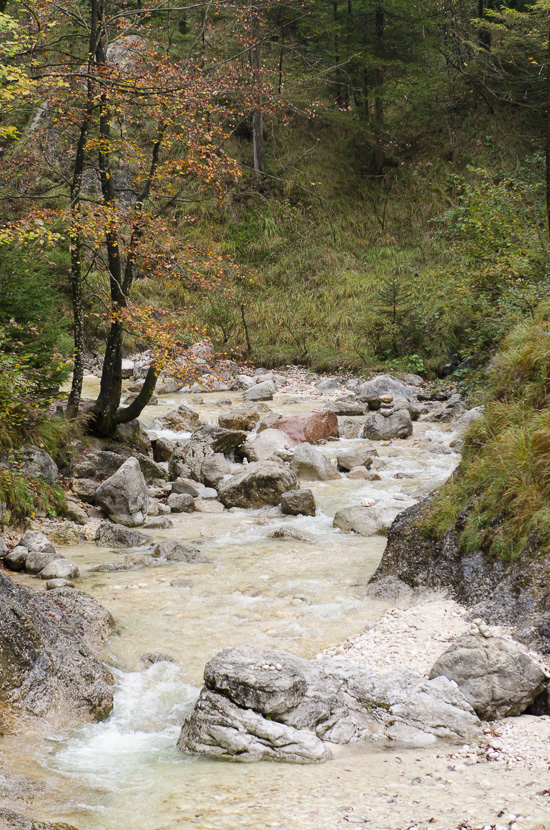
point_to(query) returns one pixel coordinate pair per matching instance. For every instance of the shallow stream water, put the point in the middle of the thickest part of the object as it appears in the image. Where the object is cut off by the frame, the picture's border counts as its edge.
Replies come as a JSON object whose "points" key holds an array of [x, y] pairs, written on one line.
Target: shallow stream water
{"points": [[126, 771]]}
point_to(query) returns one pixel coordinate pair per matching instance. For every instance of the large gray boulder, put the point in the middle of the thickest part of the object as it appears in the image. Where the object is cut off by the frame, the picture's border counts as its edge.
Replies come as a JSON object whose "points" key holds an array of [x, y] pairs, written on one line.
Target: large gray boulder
{"points": [[298, 503], [356, 457], [260, 392], [498, 678], [368, 521], [124, 495], [15, 560], [36, 542], [242, 382], [188, 457], [36, 561], [182, 419], [385, 385], [109, 535], [219, 728], [181, 503], [214, 468], [40, 464], [380, 427], [244, 417], [261, 705], [50, 657], [310, 464], [264, 444], [261, 483], [60, 569], [176, 552]]}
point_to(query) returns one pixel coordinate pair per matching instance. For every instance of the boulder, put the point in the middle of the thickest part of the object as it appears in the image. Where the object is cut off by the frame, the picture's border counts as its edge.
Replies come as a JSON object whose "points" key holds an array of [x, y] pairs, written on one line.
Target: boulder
{"points": [[181, 503], [380, 428], [163, 449], [127, 369], [99, 464], [403, 403], [264, 444], [298, 503], [124, 496], [261, 705], [50, 649], [35, 561], [167, 386], [159, 523], [40, 464], [15, 560], [176, 552], [134, 436], [193, 488], [350, 429], [220, 729], [84, 488], [385, 385], [368, 521], [188, 457], [311, 465], [346, 408], [357, 457], [60, 569], [328, 385], [291, 534], [208, 506], [182, 419], [52, 584], [243, 382], [260, 392], [261, 483], [214, 468], [3, 549], [495, 675], [267, 421], [313, 427], [243, 417], [109, 535], [150, 469], [36, 542], [75, 512]]}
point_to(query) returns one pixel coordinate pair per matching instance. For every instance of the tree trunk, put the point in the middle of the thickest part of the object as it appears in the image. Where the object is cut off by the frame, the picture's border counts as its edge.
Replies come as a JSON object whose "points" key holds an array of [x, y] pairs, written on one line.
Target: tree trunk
{"points": [[548, 134], [107, 412], [75, 241], [378, 95], [257, 119]]}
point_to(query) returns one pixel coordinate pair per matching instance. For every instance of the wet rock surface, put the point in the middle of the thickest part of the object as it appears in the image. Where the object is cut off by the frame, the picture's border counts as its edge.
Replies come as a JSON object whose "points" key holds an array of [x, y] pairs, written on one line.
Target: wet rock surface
{"points": [[49, 664]]}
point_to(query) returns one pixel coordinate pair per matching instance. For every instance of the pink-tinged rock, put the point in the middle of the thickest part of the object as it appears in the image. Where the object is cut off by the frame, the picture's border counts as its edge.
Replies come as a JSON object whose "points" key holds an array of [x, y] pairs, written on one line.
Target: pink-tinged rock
{"points": [[312, 426]]}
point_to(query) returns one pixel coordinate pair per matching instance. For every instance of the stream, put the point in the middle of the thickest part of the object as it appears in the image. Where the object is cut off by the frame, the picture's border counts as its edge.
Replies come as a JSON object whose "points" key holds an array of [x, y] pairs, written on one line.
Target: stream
{"points": [[126, 772]]}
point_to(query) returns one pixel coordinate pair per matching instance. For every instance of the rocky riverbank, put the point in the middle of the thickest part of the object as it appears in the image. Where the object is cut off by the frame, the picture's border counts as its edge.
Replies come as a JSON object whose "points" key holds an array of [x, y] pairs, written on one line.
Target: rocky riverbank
{"points": [[286, 571], [514, 594]]}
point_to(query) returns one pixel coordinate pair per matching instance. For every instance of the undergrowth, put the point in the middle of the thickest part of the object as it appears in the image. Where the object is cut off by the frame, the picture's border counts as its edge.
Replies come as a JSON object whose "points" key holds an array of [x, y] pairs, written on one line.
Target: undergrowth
{"points": [[503, 481], [28, 496]]}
